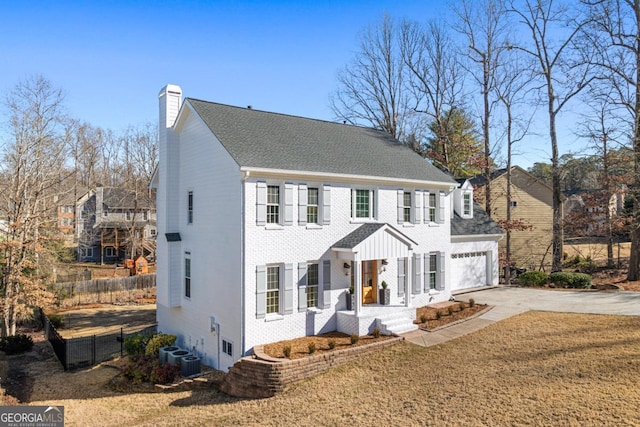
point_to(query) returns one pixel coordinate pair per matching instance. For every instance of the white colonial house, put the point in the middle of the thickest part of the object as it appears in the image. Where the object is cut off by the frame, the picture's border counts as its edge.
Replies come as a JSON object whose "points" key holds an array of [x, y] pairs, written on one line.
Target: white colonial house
{"points": [[265, 222]]}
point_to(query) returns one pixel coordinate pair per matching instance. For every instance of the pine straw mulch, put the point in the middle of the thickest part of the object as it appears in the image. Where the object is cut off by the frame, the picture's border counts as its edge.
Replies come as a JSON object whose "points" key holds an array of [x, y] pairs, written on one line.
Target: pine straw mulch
{"points": [[300, 346], [461, 311]]}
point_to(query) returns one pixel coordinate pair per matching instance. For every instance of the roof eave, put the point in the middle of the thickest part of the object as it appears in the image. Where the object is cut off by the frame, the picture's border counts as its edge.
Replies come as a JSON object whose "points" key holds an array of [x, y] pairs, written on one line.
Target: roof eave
{"points": [[267, 172]]}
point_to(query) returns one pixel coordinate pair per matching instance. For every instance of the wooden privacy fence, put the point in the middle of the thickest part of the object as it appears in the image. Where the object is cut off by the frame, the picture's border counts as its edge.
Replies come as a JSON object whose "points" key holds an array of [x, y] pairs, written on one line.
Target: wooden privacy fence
{"points": [[82, 352], [112, 290]]}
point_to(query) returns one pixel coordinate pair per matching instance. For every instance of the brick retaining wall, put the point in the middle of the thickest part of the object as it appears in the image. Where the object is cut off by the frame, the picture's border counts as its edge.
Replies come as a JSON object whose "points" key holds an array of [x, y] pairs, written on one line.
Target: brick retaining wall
{"points": [[262, 376]]}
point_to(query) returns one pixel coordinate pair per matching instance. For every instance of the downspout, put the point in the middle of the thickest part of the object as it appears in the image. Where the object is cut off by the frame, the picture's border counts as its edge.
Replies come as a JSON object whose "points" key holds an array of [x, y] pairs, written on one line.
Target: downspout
{"points": [[242, 261]]}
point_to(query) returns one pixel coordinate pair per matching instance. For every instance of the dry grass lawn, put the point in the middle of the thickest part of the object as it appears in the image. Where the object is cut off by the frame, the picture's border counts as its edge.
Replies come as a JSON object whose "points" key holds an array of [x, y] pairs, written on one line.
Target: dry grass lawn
{"points": [[533, 369]]}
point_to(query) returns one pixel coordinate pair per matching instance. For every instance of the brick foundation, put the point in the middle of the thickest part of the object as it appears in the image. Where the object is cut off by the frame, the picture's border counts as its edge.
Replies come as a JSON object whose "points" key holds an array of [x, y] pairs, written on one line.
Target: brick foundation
{"points": [[262, 376]]}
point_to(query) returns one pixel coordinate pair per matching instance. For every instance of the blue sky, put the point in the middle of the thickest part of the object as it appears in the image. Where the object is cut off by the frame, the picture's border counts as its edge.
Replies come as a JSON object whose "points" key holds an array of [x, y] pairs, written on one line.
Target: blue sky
{"points": [[112, 57]]}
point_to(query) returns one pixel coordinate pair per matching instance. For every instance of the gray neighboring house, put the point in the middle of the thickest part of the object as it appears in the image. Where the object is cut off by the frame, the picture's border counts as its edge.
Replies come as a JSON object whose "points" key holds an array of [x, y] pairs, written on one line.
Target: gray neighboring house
{"points": [[111, 223]]}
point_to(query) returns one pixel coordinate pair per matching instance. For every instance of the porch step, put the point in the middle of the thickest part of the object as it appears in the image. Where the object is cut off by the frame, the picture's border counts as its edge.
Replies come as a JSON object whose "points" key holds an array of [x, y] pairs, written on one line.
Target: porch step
{"points": [[396, 323]]}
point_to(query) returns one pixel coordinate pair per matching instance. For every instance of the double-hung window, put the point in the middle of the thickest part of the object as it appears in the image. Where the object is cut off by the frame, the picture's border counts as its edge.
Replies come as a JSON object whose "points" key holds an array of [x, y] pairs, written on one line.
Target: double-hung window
{"points": [[432, 207], [273, 204], [466, 200], [190, 207], [312, 285], [433, 270], [187, 275], [273, 289], [406, 210], [362, 203], [312, 205]]}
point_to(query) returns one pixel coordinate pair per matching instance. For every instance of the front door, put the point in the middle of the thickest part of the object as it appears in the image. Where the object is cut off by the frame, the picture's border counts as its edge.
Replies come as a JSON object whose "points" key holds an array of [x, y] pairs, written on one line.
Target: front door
{"points": [[369, 281]]}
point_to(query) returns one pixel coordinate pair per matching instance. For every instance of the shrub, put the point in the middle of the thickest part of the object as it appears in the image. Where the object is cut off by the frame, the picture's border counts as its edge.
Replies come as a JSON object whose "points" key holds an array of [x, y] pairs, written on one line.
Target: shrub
{"points": [[312, 347], [332, 344], [472, 302], [423, 318], [139, 367], [461, 306], [16, 344], [376, 332], [164, 374], [157, 341], [354, 339], [438, 315], [570, 280], [56, 320], [533, 278], [286, 350], [450, 310], [136, 343]]}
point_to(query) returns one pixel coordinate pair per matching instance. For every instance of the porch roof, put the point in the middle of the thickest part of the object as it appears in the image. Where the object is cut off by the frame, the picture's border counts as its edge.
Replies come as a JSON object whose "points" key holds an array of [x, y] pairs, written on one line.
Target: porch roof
{"points": [[373, 241]]}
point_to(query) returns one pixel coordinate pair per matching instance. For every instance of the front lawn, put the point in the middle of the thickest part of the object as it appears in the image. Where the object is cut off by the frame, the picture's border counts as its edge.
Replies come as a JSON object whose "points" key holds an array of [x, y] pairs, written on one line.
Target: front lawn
{"points": [[537, 368]]}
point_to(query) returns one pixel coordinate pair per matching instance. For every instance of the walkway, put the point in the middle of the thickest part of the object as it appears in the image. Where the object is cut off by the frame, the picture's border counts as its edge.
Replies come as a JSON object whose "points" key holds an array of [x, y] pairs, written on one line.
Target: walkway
{"points": [[508, 301]]}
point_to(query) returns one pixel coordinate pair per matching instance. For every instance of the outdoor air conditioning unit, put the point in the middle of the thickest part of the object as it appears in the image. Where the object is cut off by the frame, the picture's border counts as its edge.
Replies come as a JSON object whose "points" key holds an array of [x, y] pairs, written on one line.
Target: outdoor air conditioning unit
{"points": [[190, 365], [164, 353], [175, 356]]}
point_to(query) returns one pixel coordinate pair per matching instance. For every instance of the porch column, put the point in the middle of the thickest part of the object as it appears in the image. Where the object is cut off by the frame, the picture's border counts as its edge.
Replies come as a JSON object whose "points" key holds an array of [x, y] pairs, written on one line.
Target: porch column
{"points": [[408, 281], [357, 286]]}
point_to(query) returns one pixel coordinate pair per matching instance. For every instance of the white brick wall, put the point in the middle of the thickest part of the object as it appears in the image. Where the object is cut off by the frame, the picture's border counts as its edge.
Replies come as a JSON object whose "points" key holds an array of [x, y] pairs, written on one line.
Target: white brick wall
{"points": [[226, 245]]}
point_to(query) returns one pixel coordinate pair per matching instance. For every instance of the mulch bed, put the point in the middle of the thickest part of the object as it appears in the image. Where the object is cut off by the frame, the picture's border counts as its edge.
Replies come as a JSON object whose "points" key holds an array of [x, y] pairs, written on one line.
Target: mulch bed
{"points": [[300, 346], [438, 315]]}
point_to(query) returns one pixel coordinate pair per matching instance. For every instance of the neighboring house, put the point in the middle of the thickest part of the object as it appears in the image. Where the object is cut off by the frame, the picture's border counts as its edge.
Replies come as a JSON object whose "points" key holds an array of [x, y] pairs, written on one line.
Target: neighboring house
{"points": [[266, 220], [531, 205], [585, 211], [113, 223]]}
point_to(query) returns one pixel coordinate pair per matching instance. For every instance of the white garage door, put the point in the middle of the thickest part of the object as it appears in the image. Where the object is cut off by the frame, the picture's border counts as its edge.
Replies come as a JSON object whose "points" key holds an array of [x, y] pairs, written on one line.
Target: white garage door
{"points": [[468, 270]]}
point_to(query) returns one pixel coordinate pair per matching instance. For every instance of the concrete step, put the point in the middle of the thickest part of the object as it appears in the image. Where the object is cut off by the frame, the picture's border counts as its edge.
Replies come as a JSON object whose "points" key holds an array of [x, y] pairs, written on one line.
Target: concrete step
{"points": [[396, 323]]}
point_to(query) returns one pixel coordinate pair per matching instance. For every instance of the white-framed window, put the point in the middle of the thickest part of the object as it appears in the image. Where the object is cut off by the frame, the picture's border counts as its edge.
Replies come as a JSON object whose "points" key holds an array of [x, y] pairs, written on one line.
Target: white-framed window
{"points": [[433, 271], [66, 209], [227, 347], [363, 203], [273, 289], [273, 204], [431, 209], [187, 274], [466, 204], [109, 252], [153, 231], [66, 222], [145, 216], [312, 205], [127, 215], [406, 210], [190, 207], [312, 285], [513, 203], [86, 252]]}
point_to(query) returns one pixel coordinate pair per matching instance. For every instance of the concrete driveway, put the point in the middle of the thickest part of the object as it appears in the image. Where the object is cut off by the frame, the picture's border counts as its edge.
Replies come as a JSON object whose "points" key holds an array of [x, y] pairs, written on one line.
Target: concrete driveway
{"points": [[508, 301]]}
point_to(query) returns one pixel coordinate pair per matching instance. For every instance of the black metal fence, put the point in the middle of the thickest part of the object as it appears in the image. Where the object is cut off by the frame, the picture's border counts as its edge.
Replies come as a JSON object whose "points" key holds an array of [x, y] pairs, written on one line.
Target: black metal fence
{"points": [[82, 352]]}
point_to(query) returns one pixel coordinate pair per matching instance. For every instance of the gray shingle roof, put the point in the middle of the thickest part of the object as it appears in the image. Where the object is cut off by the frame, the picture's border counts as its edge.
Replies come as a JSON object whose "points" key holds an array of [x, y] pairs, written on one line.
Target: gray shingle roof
{"points": [[277, 141], [480, 224], [357, 236]]}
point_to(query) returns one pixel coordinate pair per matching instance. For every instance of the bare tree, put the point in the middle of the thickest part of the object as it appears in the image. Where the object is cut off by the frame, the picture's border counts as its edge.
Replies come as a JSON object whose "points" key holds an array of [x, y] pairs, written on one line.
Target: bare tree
{"points": [[601, 129], [511, 89], [32, 158], [563, 69], [371, 86], [436, 77], [617, 22], [484, 25]]}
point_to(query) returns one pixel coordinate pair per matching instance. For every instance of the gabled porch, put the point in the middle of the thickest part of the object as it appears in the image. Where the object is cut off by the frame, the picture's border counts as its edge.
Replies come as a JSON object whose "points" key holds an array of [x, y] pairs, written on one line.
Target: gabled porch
{"points": [[365, 253]]}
